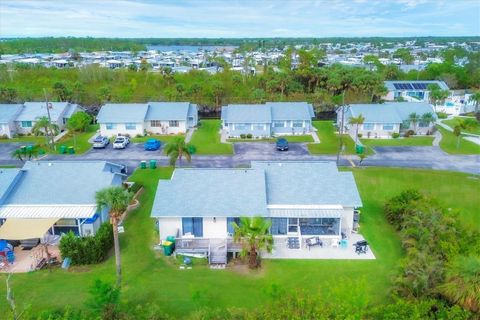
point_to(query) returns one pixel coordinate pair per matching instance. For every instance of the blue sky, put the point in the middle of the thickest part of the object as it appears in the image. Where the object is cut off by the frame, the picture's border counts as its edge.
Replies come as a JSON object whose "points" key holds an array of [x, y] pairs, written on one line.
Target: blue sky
{"points": [[205, 18]]}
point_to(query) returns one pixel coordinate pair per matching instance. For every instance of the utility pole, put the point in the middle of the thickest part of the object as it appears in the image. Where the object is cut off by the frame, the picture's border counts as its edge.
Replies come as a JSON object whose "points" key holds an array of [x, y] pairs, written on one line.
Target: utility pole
{"points": [[340, 147], [52, 139]]}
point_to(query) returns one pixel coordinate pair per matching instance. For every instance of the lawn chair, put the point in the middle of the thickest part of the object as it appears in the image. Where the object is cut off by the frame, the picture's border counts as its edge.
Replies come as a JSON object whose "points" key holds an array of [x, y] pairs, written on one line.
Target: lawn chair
{"points": [[312, 242]]}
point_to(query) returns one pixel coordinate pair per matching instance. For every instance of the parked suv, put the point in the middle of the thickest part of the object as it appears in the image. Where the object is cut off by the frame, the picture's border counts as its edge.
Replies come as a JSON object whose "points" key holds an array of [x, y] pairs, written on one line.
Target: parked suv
{"points": [[282, 144], [100, 142], [121, 142]]}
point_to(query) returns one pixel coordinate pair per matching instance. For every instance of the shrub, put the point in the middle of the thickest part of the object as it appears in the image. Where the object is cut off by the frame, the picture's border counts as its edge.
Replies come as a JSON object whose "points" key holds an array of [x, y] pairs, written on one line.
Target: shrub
{"points": [[359, 135], [442, 115], [87, 250], [395, 135], [135, 187], [243, 136], [249, 136], [3, 137], [400, 207], [408, 133]]}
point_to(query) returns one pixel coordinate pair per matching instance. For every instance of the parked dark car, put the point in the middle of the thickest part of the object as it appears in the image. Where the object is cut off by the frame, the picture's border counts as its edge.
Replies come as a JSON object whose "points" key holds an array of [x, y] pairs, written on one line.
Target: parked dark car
{"points": [[282, 144], [152, 145], [100, 142]]}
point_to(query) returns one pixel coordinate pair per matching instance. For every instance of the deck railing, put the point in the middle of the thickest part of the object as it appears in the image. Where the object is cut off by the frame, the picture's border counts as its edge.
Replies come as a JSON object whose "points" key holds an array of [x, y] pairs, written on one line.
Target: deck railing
{"points": [[204, 243]]}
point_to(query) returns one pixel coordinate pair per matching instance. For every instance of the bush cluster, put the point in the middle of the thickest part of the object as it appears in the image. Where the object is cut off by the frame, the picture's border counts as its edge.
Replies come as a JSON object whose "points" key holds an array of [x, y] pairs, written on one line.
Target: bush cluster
{"points": [[395, 135], [87, 250]]}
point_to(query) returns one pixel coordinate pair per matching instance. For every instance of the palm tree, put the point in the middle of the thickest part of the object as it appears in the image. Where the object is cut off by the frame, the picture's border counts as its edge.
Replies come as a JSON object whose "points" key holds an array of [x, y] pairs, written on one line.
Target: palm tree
{"points": [[116, 199], [357, 121], [25, 153], [177, 149], [475, 98], [428, 118], [254, 235], [457, 131], [414, 118], [462, 285], [44, 126]]}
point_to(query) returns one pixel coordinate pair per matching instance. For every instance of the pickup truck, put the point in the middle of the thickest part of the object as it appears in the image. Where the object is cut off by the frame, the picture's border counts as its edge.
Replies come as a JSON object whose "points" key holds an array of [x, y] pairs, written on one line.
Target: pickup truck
{"points": [[121, 142]]}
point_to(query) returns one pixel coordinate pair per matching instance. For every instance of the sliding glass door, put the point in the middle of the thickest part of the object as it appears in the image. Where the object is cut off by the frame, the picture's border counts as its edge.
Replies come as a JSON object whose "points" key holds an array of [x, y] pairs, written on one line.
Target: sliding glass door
{"points": [[192, 226]]}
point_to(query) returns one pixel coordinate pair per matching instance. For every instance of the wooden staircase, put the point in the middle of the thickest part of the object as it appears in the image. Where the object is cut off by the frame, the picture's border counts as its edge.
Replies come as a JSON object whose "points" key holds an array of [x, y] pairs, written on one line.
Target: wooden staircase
{"points": [[217, 253]]}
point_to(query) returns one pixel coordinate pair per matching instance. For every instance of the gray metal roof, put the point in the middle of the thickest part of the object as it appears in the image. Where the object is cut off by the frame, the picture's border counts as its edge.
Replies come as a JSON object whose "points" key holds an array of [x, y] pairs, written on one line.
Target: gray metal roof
{"points": [[7, 178], [389, 112], [391, 87], [308, 183], [34, 110], [62, 182], [8, 112], [122, 113], [211, 193], [168, 111], [247, 113], [291, 110]]}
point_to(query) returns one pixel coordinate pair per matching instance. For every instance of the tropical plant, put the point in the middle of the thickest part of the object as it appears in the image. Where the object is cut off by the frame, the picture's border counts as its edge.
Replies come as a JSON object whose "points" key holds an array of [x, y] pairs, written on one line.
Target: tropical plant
{"points": [[476, 99], [428, 118], [462, 285], [25, 153], [414, 118], [177, 149], [357, 121], [43, 126], [78, 122], [254, 235], [457, 131], [116, 199], [104, 299], [437, 95]]}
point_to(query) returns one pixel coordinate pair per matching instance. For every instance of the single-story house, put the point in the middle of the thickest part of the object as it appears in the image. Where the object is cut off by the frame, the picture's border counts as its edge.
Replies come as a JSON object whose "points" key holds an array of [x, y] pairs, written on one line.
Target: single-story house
{"points": [[54, 197], [152, 117], [302, 200], [20, 118], [383, 120], [266, 120], [411, 91]]}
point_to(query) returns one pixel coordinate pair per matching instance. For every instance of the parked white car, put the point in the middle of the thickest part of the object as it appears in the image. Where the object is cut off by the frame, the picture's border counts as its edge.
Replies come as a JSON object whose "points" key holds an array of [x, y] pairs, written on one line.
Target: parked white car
{"points": [[121, 142]]}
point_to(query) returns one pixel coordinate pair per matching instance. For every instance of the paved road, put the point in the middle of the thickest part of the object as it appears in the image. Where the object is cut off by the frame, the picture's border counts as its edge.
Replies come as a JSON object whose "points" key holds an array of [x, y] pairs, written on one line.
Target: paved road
{"points": [[411, 157]]}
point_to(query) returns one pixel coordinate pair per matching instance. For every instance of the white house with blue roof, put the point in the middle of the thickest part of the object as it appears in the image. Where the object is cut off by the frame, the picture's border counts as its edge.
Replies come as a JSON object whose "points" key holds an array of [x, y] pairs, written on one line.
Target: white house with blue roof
{"points": [[152, 117], [20, 118], [383, 120], [302, 199], [411, 91], [54, 197], [266, 120]]}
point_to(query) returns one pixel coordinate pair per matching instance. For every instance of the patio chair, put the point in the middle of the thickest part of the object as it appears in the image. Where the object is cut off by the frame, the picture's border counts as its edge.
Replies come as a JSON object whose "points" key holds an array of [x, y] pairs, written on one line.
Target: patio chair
{"points": [[361, 247], [312, 242]]}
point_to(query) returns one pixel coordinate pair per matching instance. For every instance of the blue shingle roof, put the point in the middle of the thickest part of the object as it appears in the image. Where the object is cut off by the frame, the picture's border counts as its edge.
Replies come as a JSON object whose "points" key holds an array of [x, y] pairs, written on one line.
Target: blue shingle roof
{"points": [[291, 110], [389, 112], [247, 113], [122, 113], [62, 182], [35, 110], [168, 111], [8, 112]]}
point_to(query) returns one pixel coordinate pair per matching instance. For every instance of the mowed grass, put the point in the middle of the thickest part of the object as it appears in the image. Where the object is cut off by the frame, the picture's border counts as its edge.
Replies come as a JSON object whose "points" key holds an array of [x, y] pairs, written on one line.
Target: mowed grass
{"points": [[298, 138], [206, 139], [81, 140], [456, 120], [449, 144], [40, 140], [151, 278], [163, 138], [329, 140], [423, 141]]}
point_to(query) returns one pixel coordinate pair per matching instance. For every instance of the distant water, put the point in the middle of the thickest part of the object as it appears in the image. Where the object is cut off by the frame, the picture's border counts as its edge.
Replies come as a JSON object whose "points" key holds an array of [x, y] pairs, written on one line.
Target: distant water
{"points": [[188, 48]]}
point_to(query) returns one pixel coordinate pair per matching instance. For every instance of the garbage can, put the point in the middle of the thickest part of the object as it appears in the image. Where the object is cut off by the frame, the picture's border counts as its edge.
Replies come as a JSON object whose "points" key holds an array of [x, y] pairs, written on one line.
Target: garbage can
{"points": [[359, 149], [172, 240], [29, 148], [143, 164], [63, 149], [153, 164], [71, 150], [167, 248]]}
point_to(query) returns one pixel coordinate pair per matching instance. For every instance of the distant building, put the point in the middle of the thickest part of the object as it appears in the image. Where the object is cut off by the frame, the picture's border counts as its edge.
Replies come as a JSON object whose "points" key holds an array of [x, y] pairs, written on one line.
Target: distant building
{"points": [[411, 91]]}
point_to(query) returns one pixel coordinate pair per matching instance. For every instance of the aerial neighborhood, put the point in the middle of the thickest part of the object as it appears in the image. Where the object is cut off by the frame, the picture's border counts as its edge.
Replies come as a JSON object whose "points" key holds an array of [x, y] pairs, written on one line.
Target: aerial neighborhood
{"points": [[239, 160]]}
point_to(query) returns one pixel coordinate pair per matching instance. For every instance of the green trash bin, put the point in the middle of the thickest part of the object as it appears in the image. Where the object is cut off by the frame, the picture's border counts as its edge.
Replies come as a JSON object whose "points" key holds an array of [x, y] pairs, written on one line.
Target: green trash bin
{"points": [[29, 148], [172, 240], [153, 164], [63, 149], [71, 150], [359, 149], [143, 164], [167, 248]]}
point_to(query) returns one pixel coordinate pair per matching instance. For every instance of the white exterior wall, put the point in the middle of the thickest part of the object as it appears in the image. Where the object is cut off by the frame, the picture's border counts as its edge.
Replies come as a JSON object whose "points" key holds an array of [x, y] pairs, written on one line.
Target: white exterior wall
{"points": [[166, 129], [169, 227], [215, 229], [347, 219], [376, 132], [20, 129], [120, 129], [7, 129]]}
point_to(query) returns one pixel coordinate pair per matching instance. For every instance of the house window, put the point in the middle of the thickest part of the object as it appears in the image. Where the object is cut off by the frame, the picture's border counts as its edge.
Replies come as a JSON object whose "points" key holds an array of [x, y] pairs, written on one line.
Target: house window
{"points": [[279, 124], [63, 226], [230, 221], [173, 123], [240, 126], [192, 226], [155, 123], [368, 126], [279, 226], [298, 124], [293, 225], [130, 126], [320, 226], [111, 126], [388, 126], [258, 126], [26, 124]]}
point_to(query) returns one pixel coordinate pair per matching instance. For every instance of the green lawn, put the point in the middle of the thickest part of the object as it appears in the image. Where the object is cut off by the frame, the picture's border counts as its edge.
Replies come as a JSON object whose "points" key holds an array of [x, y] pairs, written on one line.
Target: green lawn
{"points": [[207, 139], [453, 122], [148, 277], [26, 139], [82, 144], [163, 138], [300, 138], [329, 140], [449, 144], [410, 142]]}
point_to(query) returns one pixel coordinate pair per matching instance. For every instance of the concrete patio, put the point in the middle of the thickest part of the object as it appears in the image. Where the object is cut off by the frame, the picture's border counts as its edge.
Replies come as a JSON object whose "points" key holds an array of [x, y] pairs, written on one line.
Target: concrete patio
{"points": [[281, 251], [27, 260]]}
